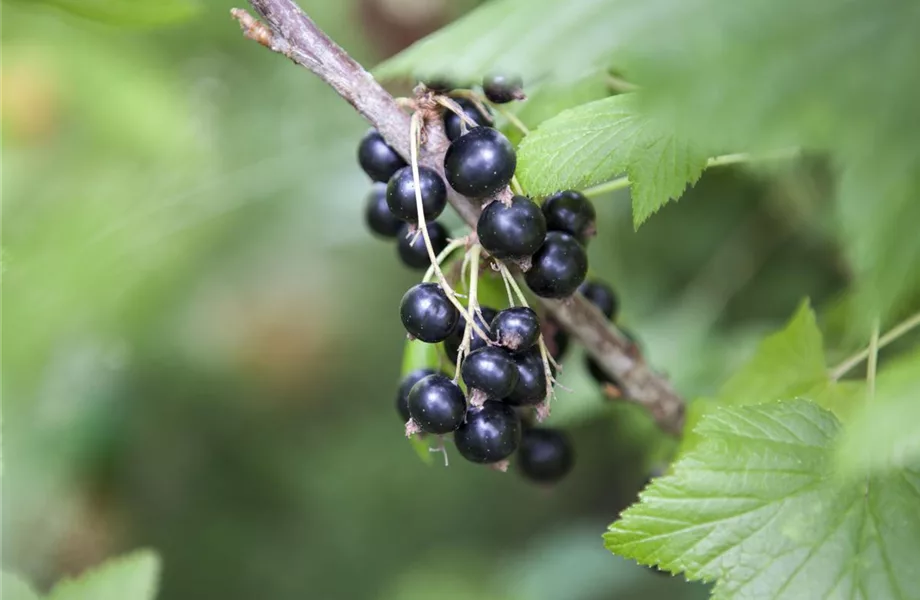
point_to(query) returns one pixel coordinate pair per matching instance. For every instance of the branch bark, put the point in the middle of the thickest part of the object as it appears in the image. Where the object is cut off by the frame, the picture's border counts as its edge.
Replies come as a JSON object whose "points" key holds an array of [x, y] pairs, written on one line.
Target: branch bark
{"points": [[288, 31]]}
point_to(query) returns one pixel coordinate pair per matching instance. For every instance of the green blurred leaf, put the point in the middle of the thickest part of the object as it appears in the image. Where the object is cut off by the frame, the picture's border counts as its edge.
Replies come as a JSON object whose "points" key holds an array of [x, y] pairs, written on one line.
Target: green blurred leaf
{"points": [[550, 99], [534, 38], [14, 588], [130, 12], [885, 434], [597, 141], [753, 508], [134, 576]]}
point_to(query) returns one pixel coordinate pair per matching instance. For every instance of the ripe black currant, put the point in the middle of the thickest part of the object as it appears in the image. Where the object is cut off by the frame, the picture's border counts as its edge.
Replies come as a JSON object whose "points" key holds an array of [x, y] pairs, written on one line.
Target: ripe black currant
{"points": [[571, 212], [501, 88], [452, 121], [598, 374], [515, 231], [480, 163], [491, 433], [437, 404], [427, 314], [531, 382], [545, 455], [377, 158], [453, 341], [555, 337], [414, 254], [558, 267], [439, 85], [401, 194], [600, 295], [491, 371], [516, 329], [378, 216], [405, 386]]}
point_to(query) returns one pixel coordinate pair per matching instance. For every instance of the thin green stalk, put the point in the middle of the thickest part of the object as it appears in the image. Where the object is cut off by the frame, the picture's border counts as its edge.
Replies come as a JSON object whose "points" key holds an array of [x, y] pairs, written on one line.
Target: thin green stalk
{"points": [[897, 331]]}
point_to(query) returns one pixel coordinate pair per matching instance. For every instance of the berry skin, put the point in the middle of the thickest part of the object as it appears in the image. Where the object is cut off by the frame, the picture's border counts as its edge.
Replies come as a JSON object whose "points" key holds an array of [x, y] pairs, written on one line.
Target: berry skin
{"points": [[427, 314], [415, 255], [436, 404], [516, 329], [452, 343], [401, 194], [515, 231], [545, 455], [405, 386], [377, 158], [600, 295], [380, 220], [558, 268], [599, 375], [571, 213], [452, 121], [480, 163], [500, 88], [491, 433], [439, 85], [555, 337], [531, 383], [490, 370]]}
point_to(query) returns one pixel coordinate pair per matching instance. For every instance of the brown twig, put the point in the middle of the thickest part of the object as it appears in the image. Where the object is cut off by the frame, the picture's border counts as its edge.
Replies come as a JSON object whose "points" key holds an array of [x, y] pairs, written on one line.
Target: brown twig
{"points": [[288, 31]]}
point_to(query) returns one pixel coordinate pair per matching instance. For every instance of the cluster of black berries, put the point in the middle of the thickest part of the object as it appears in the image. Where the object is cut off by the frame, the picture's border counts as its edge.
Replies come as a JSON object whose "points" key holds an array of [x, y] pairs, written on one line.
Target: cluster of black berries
{"points": [[505, 372]]}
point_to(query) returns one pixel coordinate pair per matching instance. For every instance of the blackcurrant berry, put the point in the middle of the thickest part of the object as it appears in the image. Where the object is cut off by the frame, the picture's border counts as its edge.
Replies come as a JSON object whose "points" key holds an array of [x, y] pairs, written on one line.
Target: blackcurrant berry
{"points": [[480, 163], [545, 455], [405, 386], [598, 374], [572, 213], [377, 214], [377, 158], [427, 314], [515, 231], [452, 343], [558, 267], [491, 433], [414, 254], [516, 329], [439, 85], [491, 371], [555, 337], [531, 382], [503, 88], [454, 124], [437, 404], [401, 194], [600, 295]]}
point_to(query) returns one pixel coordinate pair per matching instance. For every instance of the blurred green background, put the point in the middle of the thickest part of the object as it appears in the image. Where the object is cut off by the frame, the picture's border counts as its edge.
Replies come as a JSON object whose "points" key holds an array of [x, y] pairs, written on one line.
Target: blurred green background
{"points": [[201, 345]]}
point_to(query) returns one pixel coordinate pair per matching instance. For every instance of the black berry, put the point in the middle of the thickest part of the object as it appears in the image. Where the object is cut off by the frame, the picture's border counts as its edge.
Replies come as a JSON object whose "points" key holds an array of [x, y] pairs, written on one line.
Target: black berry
{"points": [[454, 124], [437, 404], [531, 382], [427, 314], [558, 267], [516, 329], [600, 295], [515, 231], [378, 216], [377, 158], [414, 254], [572, 213], [491, 371], [439, 85], [401, 194], [491, 433], [452, 343], [503, 88], [555, 337], [545, 455], [405, 386], [598, 374], [480, 163]]}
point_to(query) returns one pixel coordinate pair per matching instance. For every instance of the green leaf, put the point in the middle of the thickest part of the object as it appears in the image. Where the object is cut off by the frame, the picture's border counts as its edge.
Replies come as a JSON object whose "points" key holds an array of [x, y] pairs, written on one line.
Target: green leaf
{"points": [[133, 576], [534, 38], [547, 101], [597, 141], [14, 588], [755, 509], [885, 434], [128, 12]]}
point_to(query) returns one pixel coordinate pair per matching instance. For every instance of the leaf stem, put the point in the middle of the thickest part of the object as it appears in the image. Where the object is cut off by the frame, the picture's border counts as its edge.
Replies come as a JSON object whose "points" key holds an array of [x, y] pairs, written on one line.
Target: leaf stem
{"points": [[897, 331], [453, 245]]}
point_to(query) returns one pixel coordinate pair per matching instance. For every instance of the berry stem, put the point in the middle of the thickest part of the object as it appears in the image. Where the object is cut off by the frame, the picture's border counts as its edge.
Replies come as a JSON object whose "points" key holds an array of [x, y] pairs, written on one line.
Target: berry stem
{"points": [[453, 245], [872, 364], [472, 306], [414, 135], [516, 186], [894, 333], [511, 118], [455, 108]]}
